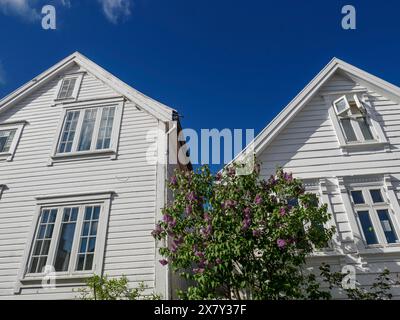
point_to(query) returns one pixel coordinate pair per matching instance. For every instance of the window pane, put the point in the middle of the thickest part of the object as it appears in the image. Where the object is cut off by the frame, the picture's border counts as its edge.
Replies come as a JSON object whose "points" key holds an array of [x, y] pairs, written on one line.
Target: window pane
{"points": [[341, 105], [67, 88], [365, 129], [376, 195], [387, 226], [357, 197], [348, 130], [85, 139], [366, 225], [43, 240], [106, 124], [6, 138], [68, 133], [88, 238], [64, 249]]}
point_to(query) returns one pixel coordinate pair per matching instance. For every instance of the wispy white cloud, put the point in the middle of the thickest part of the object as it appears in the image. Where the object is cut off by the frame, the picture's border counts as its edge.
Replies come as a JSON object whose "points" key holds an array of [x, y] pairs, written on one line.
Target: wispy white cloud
{"points": [[66, 3], [116, 10], [2, 74], [22, 8]]}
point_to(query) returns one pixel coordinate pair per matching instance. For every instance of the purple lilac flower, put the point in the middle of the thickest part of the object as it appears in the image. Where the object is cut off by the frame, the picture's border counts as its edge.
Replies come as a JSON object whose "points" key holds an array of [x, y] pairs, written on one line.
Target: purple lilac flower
{"points": [[172, 223], [189, 209], [178, 240], [199, 254], [167, 218], [258, 199], [288, 177], [157, 231], [174, 247], [198, 270], [173, 180], [163, 262], [228, 204], [246, 212], [256, 232], [281, 243], [282, 211], [206, 231], [207, 217], [246, 224], [191, 196]]}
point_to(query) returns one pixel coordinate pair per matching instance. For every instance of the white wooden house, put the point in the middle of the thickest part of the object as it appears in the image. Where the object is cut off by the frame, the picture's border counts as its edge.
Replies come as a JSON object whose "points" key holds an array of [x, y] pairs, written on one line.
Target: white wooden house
{"points": [[341, 136], [82, 182]]}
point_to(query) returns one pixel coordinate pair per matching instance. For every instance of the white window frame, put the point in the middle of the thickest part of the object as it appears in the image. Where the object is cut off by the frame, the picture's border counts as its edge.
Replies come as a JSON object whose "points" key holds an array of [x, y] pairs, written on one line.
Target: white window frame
{"points": [[70, 277], [79, 77], [18, 126], [366, 183], [110, 152], [363, 101]]}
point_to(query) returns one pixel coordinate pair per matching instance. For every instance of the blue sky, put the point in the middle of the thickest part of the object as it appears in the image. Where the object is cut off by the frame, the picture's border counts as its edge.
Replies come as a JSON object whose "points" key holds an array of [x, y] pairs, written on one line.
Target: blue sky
{"points": [[221, 64]]}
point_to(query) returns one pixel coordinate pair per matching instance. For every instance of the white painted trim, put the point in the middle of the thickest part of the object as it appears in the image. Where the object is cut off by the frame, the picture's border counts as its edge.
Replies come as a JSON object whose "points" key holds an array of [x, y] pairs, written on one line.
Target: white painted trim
{"points": [[162, 278], [356, 236], [324, 193], [19, 126], [102, 198]]}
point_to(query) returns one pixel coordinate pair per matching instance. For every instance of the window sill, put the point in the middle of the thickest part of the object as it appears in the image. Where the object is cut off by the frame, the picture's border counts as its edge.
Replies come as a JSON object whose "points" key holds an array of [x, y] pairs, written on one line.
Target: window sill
{"points": [[379, 249], [62, 279], [356, 145], [95, 154], [64, 100], [5, 156]]}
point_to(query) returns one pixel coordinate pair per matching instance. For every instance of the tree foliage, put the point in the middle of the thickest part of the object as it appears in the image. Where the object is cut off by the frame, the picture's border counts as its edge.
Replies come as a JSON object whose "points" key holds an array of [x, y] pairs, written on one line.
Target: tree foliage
{"points": [[103, 288], [240, 236]]}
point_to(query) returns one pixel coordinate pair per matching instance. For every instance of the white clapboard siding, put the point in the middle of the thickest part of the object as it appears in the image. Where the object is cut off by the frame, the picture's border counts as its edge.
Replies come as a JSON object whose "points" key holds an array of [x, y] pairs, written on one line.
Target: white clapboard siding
{"points": [[130, 249], [308, 147]]}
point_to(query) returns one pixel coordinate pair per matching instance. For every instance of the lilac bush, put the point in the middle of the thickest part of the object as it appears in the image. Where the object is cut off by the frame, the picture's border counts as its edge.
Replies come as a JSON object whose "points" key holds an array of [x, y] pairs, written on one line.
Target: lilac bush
{"points": [[233, 235]]}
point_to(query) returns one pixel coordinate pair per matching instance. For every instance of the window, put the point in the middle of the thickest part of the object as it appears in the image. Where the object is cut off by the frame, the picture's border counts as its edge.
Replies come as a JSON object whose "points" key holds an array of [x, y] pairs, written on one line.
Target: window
{"points": [[69, 236], [374, 216], [9, 136], [57, 238], [354, 120], [6, 137], [69, 86], [87, 129]]}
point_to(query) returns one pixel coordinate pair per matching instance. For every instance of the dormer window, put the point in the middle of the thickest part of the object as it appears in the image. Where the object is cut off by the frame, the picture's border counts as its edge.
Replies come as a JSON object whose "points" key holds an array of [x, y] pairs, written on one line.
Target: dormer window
{"points": [[69, 86], [354, 120]]}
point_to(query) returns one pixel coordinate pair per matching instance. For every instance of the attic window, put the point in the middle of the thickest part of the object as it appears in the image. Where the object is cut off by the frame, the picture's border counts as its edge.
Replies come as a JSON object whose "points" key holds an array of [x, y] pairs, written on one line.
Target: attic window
{"points": [[354, 120], [68, 87]]}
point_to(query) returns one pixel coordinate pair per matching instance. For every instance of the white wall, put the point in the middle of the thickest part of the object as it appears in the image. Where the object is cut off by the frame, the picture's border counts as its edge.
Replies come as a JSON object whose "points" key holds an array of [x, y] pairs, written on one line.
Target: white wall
{"points": [[130, 249]]}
